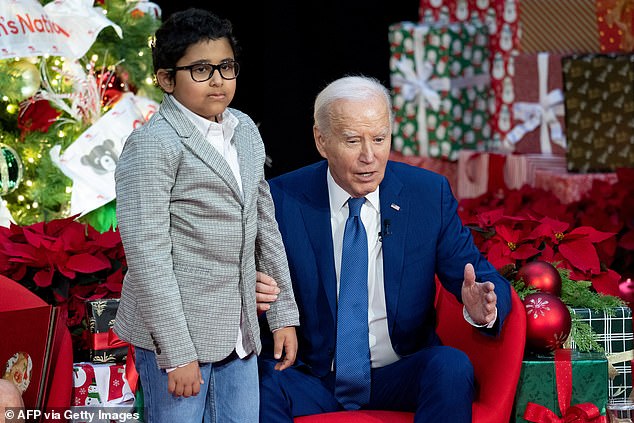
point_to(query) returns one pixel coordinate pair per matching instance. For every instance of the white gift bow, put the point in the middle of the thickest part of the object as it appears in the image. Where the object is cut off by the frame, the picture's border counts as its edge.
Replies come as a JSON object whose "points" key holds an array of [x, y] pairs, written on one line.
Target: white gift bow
{"points": [[543, 113]]}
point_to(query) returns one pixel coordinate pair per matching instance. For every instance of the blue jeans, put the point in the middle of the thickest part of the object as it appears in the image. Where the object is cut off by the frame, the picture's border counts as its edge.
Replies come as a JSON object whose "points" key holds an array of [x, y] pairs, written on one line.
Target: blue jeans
{"points": [[230, 393]]}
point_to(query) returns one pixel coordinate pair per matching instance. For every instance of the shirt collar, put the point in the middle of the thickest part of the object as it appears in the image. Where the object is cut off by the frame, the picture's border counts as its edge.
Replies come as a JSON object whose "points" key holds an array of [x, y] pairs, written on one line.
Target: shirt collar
{"points": [[228, 124], [338, 196]]}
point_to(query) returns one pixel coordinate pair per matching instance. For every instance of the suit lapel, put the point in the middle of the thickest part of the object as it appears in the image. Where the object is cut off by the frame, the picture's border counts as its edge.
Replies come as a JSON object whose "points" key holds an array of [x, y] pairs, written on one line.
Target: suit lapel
{"points": [[247, 167], [395, 212], [316, 215], [198, 145]]}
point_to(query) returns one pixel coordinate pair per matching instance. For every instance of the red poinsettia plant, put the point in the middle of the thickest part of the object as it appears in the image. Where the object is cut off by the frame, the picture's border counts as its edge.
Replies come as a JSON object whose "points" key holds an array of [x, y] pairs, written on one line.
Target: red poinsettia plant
{"points": [[585, 237], [66, 263]]}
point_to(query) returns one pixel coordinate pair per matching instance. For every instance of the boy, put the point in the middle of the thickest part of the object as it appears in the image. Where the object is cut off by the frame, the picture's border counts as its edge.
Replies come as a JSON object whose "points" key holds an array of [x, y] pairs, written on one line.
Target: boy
{"points": [[196, 218]]}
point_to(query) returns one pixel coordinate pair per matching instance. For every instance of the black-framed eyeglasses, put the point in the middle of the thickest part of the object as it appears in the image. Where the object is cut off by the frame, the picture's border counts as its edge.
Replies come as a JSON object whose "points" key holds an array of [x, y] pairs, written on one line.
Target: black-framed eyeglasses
{"points": [[202, 72]]}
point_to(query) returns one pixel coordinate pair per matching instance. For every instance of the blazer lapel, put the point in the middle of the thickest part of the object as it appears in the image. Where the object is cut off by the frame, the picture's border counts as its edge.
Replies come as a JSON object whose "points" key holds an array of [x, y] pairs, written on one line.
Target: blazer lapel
{"points": [[247, 167], [198, 145], [394, 224], [316, 215]]}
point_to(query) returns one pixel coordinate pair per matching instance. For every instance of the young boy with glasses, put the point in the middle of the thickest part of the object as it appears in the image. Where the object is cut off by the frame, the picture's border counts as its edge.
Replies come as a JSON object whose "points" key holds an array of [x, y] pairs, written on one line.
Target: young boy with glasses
{"points": [[196, 219]]}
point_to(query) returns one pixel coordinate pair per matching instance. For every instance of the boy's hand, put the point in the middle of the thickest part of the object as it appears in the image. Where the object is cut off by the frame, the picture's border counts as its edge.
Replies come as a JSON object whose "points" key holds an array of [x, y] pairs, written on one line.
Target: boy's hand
{"points": [[185, 381], [285, 347]]}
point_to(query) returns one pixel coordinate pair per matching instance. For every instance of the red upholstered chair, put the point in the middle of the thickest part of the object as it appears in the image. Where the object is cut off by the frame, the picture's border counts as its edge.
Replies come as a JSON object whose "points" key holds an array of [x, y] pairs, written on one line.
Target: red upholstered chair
{"points": [[14, 296], [497, 363]]}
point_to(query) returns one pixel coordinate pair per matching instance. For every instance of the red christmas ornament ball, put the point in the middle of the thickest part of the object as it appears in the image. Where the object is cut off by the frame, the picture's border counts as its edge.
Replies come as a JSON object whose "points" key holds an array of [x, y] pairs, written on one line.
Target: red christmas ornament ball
{"points": [[541, 275], [548, 322]]}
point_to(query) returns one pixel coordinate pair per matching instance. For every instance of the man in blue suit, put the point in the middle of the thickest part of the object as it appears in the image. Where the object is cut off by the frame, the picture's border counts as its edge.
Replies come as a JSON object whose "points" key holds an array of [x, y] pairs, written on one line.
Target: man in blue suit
{"points": [[413, 234]]}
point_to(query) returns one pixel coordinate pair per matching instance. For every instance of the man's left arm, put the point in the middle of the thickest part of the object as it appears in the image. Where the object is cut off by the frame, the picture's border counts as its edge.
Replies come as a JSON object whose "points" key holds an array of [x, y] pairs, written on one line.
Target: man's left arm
{"points": [[460, 263]]}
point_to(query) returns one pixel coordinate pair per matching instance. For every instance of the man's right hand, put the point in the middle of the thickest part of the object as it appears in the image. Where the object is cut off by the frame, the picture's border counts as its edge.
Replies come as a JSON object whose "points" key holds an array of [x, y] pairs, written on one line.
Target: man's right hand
{"points": [[266, 291]]}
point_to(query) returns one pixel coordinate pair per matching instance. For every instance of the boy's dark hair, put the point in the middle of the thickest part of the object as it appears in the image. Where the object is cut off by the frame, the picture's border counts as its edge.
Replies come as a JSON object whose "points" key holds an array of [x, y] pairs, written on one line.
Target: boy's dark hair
{"points": [[184, 28]]}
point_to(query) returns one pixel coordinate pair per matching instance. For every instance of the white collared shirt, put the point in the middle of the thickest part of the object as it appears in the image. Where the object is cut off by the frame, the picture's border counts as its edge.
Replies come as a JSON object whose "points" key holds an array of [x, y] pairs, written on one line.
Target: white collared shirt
{"points": [[219, 135]]}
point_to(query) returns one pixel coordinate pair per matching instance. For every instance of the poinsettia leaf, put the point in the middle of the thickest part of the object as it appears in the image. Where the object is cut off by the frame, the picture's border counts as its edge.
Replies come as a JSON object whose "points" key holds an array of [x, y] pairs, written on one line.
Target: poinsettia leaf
{"points": [[541, 231], [507, 234], [43, 278], [18, 273], [499, 255], [607, 283], [592, 234], [34, 257], [548, 253], [108, 239], [13, 230], [554, 224], [490, 217], [87, 263], [525, 251], [581, 254], [65, 271], [39, 227], [54, 227], [73, 237], [36, 238]]}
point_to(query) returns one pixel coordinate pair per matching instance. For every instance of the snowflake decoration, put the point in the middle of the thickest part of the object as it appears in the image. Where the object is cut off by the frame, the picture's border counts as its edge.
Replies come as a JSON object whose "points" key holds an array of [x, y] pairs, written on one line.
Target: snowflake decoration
{"points": [[537, 307]]}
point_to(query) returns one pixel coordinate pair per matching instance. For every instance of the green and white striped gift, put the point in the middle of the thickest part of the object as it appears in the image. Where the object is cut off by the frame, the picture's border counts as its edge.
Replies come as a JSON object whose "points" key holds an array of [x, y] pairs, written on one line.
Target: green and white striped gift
{"points": [[613, 332]]}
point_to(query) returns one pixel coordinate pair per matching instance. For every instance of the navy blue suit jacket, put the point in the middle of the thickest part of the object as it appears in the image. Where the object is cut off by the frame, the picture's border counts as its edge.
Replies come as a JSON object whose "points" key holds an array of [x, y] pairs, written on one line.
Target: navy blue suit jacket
{"points": [[425, 237]]}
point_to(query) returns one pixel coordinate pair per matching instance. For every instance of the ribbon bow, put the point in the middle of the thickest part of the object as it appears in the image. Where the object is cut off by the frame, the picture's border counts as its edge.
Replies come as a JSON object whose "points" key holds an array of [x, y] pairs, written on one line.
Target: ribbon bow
{"points": [[109, 340], [580, 413], [418, 84], [577, 413], [543, 113]]}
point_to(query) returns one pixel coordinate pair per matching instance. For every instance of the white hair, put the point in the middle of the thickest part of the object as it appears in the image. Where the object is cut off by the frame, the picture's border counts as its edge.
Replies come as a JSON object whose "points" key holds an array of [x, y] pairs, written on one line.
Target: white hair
{"points": [[348, 88]]}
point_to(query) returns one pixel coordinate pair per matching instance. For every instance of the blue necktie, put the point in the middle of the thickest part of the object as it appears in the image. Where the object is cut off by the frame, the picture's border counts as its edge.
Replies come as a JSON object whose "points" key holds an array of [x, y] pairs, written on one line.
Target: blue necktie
{"points": [[352, 360]]}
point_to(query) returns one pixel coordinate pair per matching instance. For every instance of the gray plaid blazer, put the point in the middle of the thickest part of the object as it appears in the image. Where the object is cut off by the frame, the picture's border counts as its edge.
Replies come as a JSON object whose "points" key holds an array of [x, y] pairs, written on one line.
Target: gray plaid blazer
{"points": [[193, 243]]}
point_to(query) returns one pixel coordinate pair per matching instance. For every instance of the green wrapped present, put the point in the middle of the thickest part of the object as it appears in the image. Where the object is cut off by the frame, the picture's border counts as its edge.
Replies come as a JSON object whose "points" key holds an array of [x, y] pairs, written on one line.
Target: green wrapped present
{"points": [[613, 330], [440, 88], [561, 384]]}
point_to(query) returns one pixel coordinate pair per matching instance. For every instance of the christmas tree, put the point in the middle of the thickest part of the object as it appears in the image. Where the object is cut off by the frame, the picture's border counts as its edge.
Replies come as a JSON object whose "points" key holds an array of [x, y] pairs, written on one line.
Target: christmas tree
{"points": [[49, 102]]}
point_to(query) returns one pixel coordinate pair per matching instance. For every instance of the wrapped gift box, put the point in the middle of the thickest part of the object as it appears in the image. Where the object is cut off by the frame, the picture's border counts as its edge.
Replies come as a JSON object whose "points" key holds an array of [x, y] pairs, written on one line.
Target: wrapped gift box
{"points": [[539, 384], [106, 346], [538, 110], [100, 384], [502, 19], [479, 173], [576, 26], [440, 80], [614, 333], [570, 187], [599, 101]]}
